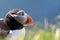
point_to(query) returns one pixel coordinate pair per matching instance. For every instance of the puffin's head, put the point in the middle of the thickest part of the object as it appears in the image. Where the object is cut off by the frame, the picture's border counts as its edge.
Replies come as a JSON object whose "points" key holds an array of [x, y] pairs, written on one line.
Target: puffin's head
{"points": [[18, 15], [15, 17]]}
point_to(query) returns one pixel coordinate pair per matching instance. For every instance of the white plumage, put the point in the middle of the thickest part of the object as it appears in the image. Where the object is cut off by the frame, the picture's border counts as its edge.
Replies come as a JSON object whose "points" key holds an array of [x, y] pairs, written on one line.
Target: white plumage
{"points": [[16, 34]]}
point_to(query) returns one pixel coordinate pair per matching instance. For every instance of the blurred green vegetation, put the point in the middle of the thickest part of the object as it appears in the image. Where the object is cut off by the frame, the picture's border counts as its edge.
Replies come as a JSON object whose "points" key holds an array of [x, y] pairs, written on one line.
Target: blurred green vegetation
{"points": [[41, 34]]}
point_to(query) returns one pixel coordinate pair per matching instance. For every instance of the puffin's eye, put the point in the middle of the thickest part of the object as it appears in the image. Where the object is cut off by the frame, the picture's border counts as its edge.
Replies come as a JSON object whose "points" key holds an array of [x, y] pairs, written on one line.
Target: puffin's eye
{"points": [[21, 13]]}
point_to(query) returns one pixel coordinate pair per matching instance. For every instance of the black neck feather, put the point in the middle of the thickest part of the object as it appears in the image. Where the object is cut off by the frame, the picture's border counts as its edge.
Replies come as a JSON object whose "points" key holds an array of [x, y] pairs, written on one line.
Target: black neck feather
{"points": [[13, 24]]}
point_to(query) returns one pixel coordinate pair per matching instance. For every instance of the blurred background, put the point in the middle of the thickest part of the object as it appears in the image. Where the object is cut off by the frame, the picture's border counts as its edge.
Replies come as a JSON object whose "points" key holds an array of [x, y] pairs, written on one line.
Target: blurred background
{"points": [[45, 13]]}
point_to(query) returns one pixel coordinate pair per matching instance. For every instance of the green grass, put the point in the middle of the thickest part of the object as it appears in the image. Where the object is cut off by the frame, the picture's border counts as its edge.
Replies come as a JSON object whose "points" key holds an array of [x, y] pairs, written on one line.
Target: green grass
{"points": [[40, 35]]}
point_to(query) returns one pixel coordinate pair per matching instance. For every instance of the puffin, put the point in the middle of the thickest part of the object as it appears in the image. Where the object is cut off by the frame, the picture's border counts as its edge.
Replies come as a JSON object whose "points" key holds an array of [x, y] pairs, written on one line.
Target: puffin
{"points": [[12, 26]]}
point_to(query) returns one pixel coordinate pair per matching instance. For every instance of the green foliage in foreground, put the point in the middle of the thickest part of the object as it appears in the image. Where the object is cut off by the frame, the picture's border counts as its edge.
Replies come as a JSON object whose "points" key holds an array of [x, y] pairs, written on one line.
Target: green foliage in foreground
{"points": [[40, 35]]}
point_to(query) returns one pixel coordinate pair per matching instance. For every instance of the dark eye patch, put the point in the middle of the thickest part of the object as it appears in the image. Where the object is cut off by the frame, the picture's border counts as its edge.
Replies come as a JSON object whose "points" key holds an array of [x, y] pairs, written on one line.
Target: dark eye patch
{"points": [[13, 13], [21, 13]]}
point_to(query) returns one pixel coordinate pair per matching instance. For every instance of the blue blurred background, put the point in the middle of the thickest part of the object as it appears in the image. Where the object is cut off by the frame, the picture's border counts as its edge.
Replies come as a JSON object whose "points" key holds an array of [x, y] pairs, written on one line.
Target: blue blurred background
{"points": [[43, 12], [38, 9]]}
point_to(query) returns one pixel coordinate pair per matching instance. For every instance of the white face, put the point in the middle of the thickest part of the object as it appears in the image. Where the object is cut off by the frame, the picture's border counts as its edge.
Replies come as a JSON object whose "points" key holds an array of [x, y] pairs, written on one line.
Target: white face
{"points": [[20, 16]]}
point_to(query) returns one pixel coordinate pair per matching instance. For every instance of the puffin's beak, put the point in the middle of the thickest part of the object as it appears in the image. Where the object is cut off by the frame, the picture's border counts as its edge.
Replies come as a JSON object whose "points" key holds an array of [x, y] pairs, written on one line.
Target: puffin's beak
{"points": [[30, 21]]}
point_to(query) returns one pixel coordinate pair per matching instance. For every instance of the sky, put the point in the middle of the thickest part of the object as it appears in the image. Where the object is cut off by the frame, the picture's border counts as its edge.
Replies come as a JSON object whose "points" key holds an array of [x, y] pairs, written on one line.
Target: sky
{"points": [[38, 9]]}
